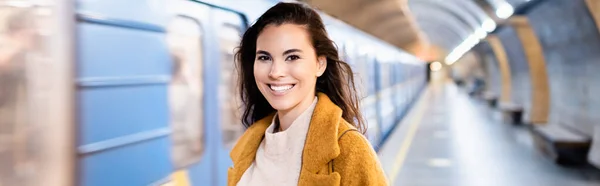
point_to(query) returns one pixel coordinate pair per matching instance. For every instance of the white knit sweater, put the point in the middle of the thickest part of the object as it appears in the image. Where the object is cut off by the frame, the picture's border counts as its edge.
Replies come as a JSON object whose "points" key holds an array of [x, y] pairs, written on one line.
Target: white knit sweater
{"points": [[279, 157]]}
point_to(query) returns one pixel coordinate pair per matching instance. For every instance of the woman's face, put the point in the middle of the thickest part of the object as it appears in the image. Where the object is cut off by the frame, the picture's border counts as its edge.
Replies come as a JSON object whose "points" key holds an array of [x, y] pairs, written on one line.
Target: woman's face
{"points": [[286, 66]]}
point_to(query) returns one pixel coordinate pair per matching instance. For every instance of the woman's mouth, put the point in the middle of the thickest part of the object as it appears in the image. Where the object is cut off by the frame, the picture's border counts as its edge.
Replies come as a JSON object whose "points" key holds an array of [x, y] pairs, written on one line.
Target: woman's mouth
{"points": [[281, 88]]}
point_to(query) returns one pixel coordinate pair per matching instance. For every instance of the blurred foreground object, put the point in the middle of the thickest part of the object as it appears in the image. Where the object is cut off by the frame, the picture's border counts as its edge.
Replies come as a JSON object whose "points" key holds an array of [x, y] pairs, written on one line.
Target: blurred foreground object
{"points": [[34, 102]]}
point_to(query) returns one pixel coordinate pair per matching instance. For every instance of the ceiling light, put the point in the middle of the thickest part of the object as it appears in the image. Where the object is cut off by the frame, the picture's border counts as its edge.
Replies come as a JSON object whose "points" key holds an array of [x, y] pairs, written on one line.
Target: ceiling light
{"points": [[439, 162], [489, 25], [504, 11], [435, 66]]}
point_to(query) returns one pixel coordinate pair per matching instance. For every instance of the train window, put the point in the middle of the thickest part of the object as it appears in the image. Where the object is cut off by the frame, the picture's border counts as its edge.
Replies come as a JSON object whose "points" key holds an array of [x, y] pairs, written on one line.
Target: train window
{"points": [[229, 38], [349, 55], [372, 83], [343, 53], [184, 39], [363, 74], [383, 76], [394, 72]]}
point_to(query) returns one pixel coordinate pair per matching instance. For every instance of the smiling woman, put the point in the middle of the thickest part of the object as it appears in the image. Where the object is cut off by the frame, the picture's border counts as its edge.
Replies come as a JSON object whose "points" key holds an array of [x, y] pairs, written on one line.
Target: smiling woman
{"points": [[287, 79], [304, 125]]}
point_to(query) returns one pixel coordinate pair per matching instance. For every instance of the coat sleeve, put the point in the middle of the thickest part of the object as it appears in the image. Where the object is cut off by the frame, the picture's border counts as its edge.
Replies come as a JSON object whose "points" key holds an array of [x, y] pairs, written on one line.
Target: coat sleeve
{"points": [[358, 163]]}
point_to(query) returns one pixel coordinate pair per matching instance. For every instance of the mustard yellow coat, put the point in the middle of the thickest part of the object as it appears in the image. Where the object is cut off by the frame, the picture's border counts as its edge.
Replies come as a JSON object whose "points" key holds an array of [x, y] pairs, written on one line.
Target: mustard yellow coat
{"points": [[335, 153]]}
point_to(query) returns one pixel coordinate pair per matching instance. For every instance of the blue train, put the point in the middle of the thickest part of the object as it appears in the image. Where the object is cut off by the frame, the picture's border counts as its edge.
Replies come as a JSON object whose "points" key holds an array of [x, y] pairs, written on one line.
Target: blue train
{"points": [[143, 92]]}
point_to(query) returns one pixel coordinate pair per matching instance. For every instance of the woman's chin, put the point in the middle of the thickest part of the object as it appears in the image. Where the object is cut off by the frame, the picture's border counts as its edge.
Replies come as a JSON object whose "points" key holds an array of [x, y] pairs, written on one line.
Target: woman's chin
{"points": [[280, 105]]}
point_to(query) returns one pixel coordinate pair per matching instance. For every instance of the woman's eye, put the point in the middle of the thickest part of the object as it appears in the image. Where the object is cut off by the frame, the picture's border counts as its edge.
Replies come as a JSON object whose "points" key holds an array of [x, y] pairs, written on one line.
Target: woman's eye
{"points": [[292, 58], [263, 58]]}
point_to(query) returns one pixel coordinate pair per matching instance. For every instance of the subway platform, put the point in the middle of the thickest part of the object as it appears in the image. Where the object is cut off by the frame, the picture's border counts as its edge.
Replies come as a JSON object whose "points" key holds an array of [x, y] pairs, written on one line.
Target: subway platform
{"points": [[449, 139]]}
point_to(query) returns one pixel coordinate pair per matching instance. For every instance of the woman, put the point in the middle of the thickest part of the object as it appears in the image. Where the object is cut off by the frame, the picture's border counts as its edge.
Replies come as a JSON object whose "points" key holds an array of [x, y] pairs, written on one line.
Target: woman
{"points": [[301, 109]]}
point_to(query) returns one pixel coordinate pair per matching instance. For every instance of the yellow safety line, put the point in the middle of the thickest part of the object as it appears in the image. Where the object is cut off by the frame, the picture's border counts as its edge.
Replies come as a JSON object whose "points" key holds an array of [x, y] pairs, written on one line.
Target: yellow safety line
{"points": [[408, 139], [179, 178]]}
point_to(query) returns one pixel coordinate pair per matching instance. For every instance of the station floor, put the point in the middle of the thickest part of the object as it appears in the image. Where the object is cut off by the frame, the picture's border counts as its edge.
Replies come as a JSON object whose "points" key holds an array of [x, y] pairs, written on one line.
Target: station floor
{"points": [[449, 139]]}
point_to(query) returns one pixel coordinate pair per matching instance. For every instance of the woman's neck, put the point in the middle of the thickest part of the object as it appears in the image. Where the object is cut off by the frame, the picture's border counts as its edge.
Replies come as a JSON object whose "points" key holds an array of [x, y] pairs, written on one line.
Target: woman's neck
{"points": [[287, 117]]}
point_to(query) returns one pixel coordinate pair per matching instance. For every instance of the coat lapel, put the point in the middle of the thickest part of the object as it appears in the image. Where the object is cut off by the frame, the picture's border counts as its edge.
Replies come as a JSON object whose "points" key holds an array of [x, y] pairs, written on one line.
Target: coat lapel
{"points": [[321, 142]]}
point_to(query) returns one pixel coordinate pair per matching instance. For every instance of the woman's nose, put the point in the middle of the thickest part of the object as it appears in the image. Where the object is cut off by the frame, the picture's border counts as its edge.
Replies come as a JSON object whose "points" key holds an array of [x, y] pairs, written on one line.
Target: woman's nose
{"points": [[277, 70]]}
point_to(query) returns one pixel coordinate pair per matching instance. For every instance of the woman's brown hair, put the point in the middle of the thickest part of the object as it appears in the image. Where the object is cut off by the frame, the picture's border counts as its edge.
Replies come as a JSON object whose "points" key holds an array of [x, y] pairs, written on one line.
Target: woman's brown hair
{"points": [[337, 82]]}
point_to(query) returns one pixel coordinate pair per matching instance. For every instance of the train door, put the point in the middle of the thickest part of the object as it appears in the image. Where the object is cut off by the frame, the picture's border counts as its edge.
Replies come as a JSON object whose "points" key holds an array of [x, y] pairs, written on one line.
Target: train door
{"points": [[36, 94], [187, 40], [370, 101], [396, 92], [123, 78], [385, 106], [400, 90], [412, 82], [376, 88], [229, 26], [362, 81], [367, 72], [407, 84]]}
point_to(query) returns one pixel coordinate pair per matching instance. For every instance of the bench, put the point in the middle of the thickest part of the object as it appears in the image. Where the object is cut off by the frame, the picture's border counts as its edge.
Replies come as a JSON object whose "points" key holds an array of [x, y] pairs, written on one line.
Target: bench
{"points": [[563, 145], [490, 98], [512, 113]]}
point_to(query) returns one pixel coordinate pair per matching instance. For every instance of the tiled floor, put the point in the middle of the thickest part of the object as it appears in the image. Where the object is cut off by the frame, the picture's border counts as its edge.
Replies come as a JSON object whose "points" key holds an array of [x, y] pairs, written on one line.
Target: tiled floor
{"points": [[452, 139]]}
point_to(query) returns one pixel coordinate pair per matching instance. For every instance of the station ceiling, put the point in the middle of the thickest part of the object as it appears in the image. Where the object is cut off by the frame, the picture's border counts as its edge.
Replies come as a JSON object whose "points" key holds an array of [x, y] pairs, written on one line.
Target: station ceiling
{"points": [[430, 29]]}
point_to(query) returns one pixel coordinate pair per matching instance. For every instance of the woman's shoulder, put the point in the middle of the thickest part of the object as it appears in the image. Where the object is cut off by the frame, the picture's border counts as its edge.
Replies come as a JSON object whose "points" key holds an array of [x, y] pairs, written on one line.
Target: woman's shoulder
{"points": [[354, 143], [358, 163], [350, 137]]}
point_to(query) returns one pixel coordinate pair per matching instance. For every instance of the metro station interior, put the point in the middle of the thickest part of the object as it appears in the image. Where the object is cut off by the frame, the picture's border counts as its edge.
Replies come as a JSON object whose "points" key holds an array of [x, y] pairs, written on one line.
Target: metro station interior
{"points": [[454, 92]]}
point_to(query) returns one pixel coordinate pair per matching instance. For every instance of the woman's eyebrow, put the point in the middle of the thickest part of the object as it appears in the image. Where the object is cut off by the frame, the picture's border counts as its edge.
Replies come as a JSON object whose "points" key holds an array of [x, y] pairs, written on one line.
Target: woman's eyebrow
{"points": [[292, 51], [263, 52]]}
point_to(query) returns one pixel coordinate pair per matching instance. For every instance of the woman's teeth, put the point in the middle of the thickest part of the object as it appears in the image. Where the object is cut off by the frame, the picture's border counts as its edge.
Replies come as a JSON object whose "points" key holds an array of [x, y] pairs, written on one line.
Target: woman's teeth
{"points": [[280, 88]]}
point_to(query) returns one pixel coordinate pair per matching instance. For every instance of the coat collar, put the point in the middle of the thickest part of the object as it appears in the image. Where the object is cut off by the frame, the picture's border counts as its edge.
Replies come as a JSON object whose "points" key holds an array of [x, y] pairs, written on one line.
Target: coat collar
{"points": [[321, 141], [321, 144]]}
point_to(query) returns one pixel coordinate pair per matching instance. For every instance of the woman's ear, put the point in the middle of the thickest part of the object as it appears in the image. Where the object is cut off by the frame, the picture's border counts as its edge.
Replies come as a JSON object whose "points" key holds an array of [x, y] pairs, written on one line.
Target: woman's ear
{"points": [[321, 65]]}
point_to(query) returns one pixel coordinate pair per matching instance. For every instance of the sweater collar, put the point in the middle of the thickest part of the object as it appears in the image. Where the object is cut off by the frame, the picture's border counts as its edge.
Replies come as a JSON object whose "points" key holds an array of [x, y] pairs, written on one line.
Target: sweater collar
{"points": [[293, 137]]}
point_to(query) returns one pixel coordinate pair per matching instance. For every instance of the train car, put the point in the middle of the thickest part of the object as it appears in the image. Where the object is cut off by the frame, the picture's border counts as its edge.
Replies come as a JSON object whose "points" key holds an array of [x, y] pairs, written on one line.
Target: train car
{"points": [[143, 92]]}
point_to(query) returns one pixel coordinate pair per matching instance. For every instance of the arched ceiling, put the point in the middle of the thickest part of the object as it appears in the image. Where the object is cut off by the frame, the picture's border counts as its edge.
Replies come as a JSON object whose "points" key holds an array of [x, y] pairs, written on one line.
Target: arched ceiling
{"points": [[385, 19], [422, 27]]}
